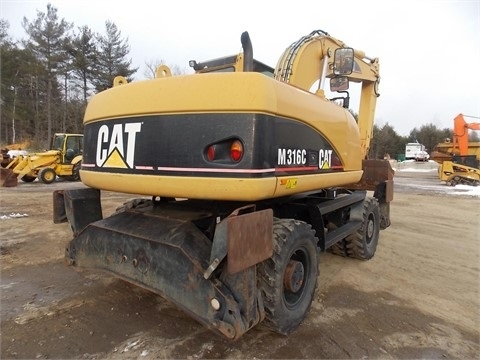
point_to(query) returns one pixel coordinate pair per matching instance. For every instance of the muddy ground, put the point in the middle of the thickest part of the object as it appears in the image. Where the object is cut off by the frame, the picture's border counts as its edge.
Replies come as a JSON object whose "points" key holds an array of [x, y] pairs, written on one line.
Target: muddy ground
{"points": [[417, 298]]}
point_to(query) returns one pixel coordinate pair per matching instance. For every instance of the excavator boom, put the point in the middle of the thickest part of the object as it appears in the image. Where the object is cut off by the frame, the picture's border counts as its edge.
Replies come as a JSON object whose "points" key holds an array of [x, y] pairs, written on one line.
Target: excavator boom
{"points": [[309, 60], [460, 133]]}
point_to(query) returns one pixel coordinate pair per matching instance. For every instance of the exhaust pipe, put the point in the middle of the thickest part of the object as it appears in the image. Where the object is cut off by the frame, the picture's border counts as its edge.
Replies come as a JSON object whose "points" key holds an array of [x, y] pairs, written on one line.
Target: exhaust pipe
{"points": [[247, 52]]}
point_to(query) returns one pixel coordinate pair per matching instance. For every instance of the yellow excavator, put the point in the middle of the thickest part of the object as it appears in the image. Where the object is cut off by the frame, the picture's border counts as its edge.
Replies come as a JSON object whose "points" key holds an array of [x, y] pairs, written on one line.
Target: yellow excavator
{"points": [[249, 172], [463, 165]]}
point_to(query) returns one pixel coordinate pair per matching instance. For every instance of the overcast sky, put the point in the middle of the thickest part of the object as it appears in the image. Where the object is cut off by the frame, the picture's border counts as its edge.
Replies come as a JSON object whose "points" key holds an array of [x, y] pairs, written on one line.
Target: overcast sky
{"points": [[429, 50]]}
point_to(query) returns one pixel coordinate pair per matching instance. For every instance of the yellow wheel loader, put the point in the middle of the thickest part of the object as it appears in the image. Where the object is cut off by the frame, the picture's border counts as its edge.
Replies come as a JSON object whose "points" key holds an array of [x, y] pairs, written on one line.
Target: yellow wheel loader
{"points": [[62, 160], [245, 174]]}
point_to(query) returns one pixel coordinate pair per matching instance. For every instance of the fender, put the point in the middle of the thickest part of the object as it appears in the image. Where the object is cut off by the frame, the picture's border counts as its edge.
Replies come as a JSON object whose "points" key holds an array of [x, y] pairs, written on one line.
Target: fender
{"points": [[77, 159]]}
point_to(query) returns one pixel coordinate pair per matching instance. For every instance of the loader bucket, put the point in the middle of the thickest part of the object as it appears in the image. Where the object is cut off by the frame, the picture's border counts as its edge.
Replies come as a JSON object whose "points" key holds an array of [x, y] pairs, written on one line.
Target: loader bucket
{"points": [[8, 178]]}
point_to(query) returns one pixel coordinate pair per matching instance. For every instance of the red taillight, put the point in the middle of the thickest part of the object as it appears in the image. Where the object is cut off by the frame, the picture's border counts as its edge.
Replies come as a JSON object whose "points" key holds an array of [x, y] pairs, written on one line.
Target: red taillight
{"points": [[236, 150], [211, 152], [224, 152]]}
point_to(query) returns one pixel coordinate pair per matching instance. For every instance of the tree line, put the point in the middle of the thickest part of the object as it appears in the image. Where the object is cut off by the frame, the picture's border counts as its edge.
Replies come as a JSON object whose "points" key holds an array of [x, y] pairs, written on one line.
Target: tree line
{"points": [[47, 79], [386, 142]]}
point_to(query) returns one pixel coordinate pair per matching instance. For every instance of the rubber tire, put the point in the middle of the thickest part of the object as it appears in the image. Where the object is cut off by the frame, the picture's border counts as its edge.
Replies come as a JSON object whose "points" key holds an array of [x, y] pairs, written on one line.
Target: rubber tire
{"points": [[28, 178], [285, 309], [339, 248], [363, 243], [47, 175], [76, 172], [133, 204]]}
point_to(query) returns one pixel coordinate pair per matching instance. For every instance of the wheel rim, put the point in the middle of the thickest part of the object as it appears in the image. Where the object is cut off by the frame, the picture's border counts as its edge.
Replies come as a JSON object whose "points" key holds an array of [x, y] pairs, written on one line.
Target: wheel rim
{"points": [[49, 176], [370, 228], [296, 277], [294, 274]]}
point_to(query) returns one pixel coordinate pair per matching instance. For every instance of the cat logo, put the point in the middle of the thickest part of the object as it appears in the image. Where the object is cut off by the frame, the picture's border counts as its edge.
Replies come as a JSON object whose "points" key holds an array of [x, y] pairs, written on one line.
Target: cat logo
{"points": [[116, 149], [325, 159], [289, 183]]}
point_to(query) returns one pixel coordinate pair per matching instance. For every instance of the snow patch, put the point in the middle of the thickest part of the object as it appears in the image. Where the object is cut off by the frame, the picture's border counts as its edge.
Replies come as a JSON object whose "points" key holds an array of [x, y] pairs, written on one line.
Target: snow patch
{"points": [[12, 216], [432, 166]]}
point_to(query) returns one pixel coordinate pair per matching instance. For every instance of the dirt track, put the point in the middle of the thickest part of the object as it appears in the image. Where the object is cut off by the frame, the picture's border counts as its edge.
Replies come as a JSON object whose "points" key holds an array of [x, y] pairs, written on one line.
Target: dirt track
{"points": [[417, 298]]}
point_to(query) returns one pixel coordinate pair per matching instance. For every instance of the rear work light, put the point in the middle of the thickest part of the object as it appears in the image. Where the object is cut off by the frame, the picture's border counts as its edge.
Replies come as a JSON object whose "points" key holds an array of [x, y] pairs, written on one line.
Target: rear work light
{"points": [[211, 153], [236, 151], [227, 151]]}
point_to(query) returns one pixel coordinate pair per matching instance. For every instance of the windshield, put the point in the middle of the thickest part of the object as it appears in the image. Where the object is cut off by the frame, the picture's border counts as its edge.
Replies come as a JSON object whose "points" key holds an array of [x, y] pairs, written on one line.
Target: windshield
{"points": [[58, 142]]}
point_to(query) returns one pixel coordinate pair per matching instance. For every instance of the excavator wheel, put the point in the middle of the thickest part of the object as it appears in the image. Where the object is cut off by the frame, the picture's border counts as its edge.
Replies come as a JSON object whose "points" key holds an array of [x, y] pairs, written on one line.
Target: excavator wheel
{"points": [[47, 175], [339, 248], [363, 244], [134, 204], [288, 279]]}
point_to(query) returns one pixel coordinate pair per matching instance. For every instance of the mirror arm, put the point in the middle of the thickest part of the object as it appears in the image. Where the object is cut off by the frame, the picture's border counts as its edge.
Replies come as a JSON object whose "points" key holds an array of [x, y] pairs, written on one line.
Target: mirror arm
{"points": [[346, 100]]}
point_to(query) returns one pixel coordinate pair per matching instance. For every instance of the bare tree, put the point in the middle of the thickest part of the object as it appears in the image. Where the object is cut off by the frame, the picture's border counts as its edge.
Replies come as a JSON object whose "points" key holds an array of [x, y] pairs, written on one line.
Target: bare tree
{"points": [[152, 65]]}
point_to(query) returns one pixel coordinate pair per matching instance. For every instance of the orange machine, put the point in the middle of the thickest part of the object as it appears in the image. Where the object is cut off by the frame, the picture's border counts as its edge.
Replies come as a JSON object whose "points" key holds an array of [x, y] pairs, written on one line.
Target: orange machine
{"points": [[462, 167], [460, 133]]}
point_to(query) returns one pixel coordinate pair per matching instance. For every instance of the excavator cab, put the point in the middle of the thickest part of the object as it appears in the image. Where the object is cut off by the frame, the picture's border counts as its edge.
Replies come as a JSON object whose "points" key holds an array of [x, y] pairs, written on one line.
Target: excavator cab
{"points": [[234, 63]]}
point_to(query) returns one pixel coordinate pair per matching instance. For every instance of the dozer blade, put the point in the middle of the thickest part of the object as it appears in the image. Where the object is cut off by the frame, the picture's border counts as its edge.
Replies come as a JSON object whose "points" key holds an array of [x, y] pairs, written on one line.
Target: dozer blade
{"points": [[8, 178], [163, 251]]}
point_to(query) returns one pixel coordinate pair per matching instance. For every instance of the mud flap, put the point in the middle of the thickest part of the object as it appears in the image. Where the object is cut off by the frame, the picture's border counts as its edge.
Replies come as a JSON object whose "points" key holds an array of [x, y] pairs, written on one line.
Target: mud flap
{"points": [[8, 178], [378, 176], [80, 207]]}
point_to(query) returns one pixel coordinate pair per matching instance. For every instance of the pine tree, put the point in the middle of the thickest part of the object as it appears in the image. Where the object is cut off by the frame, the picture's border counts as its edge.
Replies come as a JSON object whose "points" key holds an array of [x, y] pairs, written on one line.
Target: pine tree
{"points": [[48, 36], [112, 60], [84, 53]]}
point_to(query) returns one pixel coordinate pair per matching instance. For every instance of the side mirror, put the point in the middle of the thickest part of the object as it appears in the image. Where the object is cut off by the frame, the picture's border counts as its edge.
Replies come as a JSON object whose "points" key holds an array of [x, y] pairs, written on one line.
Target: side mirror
{"points": [[339, 83], [343, 61]]}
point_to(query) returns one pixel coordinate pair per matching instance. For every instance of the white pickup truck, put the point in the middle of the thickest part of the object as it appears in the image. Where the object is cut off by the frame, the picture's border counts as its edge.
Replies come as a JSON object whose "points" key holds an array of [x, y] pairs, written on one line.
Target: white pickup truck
{"points": [[416, 151]]}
